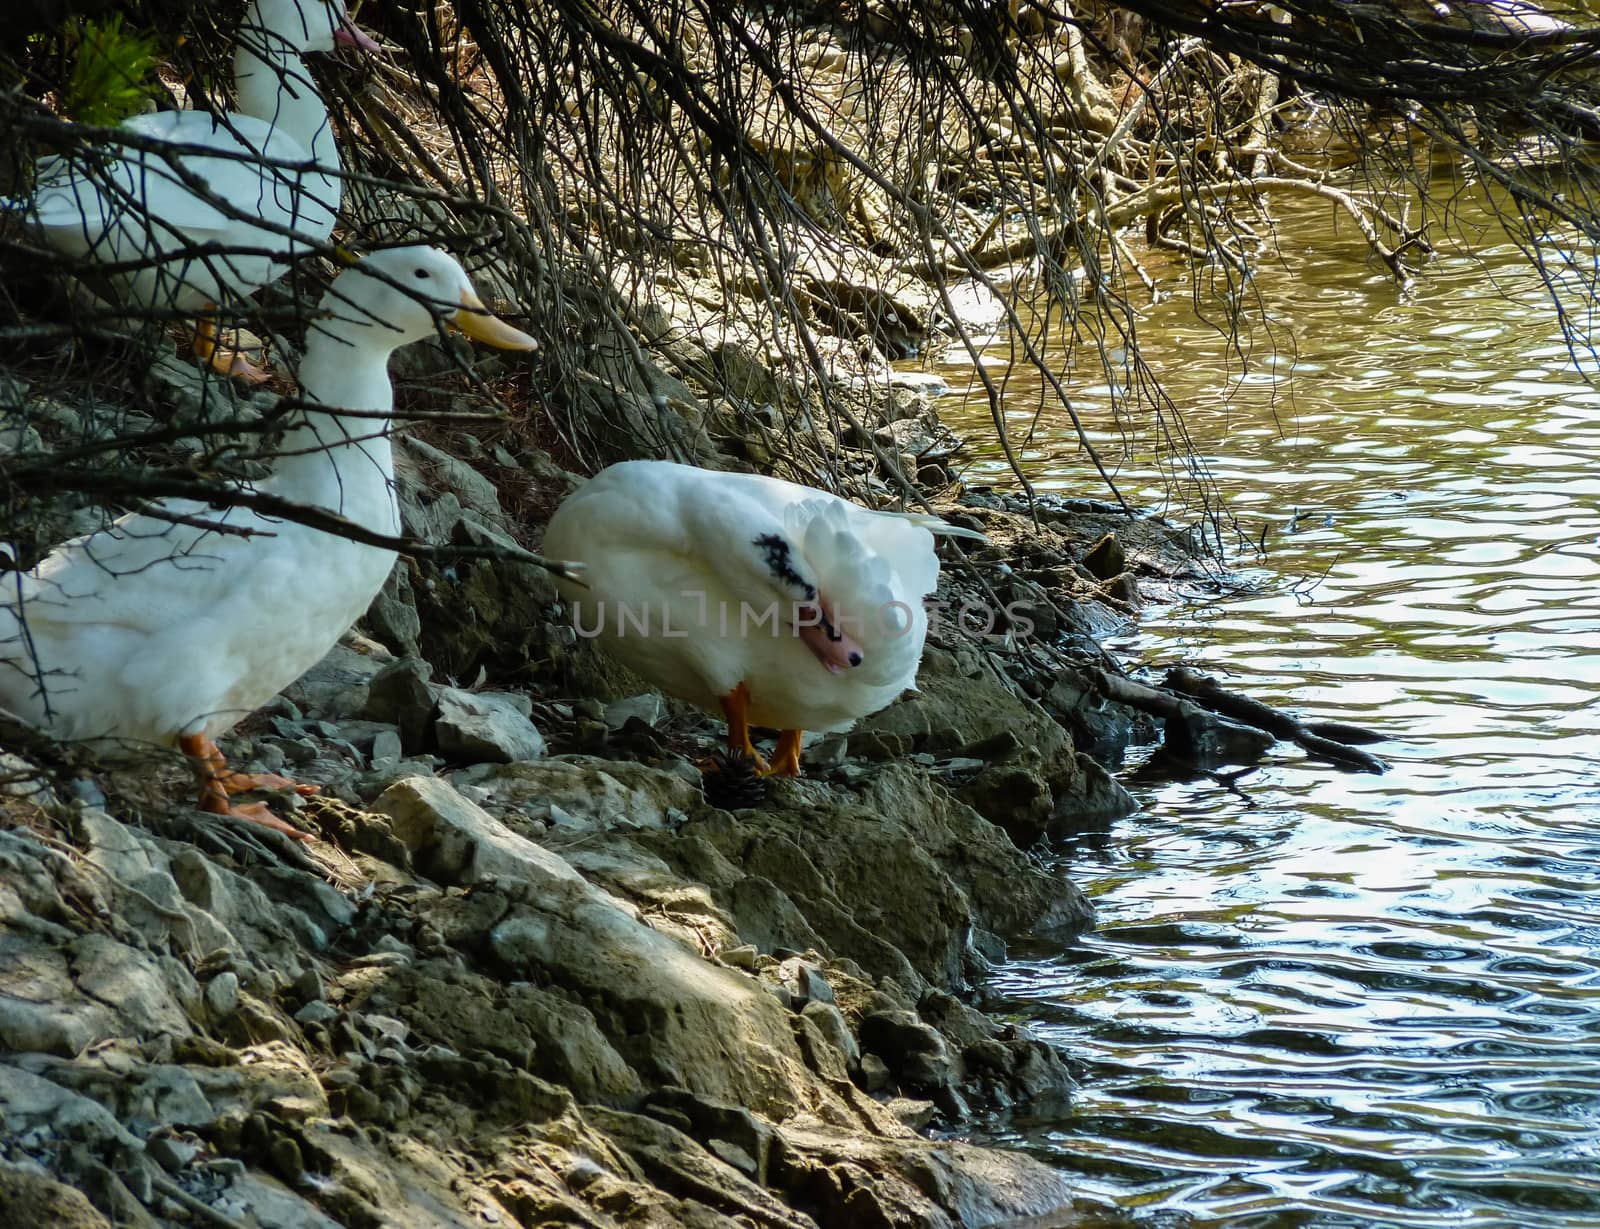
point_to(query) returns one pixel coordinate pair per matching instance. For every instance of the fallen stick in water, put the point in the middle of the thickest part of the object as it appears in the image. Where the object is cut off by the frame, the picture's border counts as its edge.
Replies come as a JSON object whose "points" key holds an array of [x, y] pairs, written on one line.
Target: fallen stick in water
{"points": [[1329, 740], [1187, 701]]}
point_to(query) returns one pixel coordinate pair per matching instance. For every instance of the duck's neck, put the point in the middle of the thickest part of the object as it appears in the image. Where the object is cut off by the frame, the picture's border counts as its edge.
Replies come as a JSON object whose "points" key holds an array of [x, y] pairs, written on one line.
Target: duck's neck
{"points": [[337, 460], [274, 85]]}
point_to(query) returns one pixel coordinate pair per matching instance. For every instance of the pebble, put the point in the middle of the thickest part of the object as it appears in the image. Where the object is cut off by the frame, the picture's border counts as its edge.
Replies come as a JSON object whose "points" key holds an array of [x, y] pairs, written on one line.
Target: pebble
{"points": [[874, 1073], [649, 708], [826, 753], [382, 960], [386, 747], [804, 981], [486, 726], [88, 793], [831, 1024], [171, 1152], [222, 995], [286, 1159], [741, 957], [315, 1012], [307, 986]]}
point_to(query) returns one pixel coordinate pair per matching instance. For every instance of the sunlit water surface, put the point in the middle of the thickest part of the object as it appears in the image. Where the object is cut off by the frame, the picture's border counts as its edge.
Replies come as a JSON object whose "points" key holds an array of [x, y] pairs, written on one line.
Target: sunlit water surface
{"points": [[1349, 999]]}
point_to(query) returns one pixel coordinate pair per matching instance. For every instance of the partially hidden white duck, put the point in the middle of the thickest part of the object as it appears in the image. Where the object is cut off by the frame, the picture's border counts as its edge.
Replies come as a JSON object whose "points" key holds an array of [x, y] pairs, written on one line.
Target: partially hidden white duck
{"points": [[780, 605], [160, 631], [270, 172]]}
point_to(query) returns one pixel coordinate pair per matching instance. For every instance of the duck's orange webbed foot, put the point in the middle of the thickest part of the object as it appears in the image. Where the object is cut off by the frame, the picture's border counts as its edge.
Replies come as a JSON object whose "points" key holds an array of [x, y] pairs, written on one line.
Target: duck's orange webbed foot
{"points": [[222, 360], [244, 782], [217, 781], [736, 708], [786, 758]]}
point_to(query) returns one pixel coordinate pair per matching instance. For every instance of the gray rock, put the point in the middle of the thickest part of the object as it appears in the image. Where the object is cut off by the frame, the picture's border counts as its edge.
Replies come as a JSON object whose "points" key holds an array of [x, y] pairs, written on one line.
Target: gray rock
{"points": [[1038, 1072], [830, 1022], [40, 1009], [271, 1205], [648, 707], [403, 695], [421, 465], [167, 1096], [826, 752], [912, 1113], [222, 995], [916, 1053], [917, 437], [18, 437], [28, 1101], [22, 780], [29, 1198], [699, 1014], [336, 687], [804, 981], [393, 617], [107, 1191], [769, 918], [386, 747], [931, 1072], [307, 986], [459, 842], [960, 765], [358, 734], [143, 990], [486, 726], [590, 793], [170, 1152]]}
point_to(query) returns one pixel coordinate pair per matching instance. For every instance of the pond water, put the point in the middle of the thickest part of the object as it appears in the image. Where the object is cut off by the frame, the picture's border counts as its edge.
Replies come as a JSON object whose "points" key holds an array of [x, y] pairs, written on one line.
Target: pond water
{"points": [[1354, 1000]]}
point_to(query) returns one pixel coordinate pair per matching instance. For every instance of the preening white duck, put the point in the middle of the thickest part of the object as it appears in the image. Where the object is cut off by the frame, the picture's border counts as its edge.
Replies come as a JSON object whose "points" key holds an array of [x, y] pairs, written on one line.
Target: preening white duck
{"points": [[157, 631], [780, 605], [264, 204]]}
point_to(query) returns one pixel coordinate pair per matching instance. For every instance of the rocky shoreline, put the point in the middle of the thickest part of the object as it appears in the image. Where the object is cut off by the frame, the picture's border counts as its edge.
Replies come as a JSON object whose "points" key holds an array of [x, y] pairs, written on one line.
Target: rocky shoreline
{"points": [[531, 975]]}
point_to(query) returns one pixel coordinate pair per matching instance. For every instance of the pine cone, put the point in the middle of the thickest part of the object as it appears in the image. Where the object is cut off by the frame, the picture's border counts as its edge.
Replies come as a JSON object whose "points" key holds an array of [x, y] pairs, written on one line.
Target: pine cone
{"points": [[731, 783]]}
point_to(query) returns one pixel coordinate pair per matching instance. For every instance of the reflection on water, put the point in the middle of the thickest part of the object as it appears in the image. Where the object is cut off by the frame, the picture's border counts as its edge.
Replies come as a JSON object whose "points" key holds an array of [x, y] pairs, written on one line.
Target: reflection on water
{"points": [[1355, 1000]]}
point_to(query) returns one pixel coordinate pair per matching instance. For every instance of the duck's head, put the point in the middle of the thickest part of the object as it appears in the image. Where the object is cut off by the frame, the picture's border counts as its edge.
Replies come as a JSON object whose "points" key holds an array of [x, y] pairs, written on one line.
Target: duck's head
{"points": [[306, 25], [809, 611], [404, 294]]}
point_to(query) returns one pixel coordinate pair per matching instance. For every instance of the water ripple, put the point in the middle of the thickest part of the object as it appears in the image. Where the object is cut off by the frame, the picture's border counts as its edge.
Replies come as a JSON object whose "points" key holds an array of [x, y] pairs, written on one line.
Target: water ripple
{"points": [[1357, 1001]]}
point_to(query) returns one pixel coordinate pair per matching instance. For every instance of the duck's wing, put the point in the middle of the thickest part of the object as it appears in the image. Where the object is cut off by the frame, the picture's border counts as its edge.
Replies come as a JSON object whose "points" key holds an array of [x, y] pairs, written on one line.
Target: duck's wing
{"points": [[97, 190], [633, 505], [135, 571]]}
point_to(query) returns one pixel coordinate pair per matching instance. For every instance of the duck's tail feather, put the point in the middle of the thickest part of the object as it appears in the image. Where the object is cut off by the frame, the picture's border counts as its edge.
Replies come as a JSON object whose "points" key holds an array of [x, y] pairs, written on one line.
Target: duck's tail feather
{"points": [[940, 526]]}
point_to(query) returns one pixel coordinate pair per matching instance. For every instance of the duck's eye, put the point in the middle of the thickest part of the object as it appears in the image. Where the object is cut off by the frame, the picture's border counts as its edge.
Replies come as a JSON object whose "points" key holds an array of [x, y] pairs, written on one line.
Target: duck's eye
{"points": [[421, 275]]}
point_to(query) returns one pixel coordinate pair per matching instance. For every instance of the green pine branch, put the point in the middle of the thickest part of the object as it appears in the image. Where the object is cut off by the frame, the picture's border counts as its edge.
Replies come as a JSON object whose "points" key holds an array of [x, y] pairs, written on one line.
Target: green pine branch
{"points": [[113, 73]]}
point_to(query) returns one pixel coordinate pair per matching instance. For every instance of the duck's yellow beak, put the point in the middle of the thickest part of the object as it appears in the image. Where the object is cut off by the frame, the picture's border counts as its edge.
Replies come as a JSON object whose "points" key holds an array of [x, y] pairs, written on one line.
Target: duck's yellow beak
{"points": [[476, 321]]}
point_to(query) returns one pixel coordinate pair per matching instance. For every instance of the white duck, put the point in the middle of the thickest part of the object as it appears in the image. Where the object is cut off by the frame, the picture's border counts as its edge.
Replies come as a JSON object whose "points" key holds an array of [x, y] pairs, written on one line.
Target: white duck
{"points": [[160, 631], [781, 605], [168, 246]]}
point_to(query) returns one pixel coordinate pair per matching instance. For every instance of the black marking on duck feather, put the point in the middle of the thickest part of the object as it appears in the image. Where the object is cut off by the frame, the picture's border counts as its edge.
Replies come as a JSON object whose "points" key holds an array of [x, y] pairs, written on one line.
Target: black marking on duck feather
{"points": [[778, 553]]}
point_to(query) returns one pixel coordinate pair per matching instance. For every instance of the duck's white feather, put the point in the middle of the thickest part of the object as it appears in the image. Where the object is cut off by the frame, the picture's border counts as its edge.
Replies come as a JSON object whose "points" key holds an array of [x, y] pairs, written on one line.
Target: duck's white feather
{"points": [[684, 566]]}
